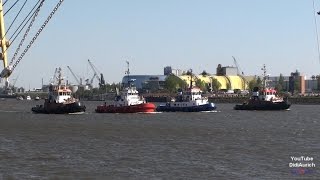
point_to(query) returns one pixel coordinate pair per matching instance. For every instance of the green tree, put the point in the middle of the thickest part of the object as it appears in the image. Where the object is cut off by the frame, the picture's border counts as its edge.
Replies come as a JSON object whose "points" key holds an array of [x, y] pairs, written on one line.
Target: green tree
{"points": [[173, 83], [204, 73], [215, 84], [201, 84], [256, 82], [280, 84], [189, 73], [252, 84], [259, 82]]}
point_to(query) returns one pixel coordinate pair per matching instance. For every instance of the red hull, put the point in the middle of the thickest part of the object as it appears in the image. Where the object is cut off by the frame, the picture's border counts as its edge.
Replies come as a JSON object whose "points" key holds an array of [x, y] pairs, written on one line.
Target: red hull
{"points": [[145, 107]]}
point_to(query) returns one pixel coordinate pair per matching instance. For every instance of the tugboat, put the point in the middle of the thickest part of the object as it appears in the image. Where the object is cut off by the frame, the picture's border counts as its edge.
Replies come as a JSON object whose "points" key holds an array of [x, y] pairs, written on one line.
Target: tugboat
{"points": [[264, 99], [127, 101], [188, 101], [60, 100]]}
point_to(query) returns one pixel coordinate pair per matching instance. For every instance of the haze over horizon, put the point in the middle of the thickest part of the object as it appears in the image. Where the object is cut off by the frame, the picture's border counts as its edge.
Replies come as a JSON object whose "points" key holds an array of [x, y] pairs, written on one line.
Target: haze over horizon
{"points": [[183, 34]]}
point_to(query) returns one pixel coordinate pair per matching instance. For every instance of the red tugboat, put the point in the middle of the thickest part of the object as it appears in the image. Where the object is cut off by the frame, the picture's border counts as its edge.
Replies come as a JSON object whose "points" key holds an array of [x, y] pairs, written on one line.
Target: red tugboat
{"points": [[128, 101], [265, 99]]}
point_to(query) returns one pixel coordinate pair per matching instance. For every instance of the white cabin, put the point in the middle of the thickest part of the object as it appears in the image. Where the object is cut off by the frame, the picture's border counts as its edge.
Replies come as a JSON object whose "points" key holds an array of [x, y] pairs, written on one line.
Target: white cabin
{"points": [[192, 97], [128, 97], [267, 95], [61, 94]]}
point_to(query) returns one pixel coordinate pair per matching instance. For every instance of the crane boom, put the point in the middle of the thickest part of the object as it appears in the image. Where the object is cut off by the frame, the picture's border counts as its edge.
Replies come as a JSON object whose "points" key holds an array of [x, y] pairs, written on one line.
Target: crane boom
{"points": [[75, 77], [54, 76], [94, 69], [96, 74], [237, 66]]}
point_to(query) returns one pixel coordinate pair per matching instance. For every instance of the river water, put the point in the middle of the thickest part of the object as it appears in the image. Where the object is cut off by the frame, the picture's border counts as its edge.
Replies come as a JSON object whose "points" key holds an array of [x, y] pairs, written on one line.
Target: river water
{"points": [[226, 144]]}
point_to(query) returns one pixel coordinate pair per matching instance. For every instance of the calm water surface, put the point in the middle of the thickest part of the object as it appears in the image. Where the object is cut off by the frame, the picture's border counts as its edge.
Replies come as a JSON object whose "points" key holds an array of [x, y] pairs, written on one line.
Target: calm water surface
{"points": [[226, 144]]}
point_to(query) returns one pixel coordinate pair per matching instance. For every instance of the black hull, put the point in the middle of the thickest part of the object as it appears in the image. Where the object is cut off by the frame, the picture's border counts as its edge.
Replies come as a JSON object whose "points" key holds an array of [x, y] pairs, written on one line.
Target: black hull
{"points": [[205, 107], [59, 108], [268, 106]]}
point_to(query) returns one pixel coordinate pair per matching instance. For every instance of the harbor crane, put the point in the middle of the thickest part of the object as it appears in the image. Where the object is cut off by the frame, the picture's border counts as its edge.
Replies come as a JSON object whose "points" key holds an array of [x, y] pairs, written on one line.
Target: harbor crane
{"points": [[75, 77], [237, 66], [54, 77], [96, 75]]}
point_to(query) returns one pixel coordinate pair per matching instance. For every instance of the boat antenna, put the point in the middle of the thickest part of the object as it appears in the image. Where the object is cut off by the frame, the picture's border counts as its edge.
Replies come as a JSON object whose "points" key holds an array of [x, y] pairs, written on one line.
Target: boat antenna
{"points": [[59, 76], [190, 78], [128, 73], [264, 81]]}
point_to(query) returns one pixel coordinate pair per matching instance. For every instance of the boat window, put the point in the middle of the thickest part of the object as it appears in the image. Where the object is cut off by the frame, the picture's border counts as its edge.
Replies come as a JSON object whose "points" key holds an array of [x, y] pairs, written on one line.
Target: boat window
{"points": [[60, 93]]}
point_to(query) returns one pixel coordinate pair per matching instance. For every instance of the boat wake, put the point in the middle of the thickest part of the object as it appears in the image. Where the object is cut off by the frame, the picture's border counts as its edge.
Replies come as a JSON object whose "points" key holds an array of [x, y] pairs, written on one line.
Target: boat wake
{"points": [[77, 113], [149, 112], [214, 111], [9, 111]]}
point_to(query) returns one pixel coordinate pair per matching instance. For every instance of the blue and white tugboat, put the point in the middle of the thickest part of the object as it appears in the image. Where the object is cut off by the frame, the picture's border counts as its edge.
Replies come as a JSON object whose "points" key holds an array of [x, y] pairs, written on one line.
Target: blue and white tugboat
{"points": [[188, 101], [264, 99]]}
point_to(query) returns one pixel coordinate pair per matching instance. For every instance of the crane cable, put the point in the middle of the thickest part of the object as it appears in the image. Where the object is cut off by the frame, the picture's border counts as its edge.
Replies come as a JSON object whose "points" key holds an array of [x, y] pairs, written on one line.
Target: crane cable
{"points": [[27, 31], [316, 29], [23, 24], [11, 7], [15, 18], [37, 34], [13, 36], [5, 2]]}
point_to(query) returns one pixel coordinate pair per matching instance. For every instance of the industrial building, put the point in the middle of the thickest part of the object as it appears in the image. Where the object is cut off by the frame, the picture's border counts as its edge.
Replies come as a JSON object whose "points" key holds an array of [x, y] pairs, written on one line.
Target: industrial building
{"points": [[169, 70], [229, 79], [146, 82], [226, 82]]}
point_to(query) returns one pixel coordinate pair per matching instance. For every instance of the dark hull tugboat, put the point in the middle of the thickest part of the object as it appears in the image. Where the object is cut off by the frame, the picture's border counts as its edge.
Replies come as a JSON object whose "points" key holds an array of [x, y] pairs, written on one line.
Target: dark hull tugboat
{"points": [[60, 100], [128, 101], [265, 99], [188, 101]]}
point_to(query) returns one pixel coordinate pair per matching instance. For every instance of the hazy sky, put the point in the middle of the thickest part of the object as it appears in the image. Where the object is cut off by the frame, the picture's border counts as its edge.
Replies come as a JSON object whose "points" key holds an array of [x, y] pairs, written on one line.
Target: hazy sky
{"points": [[151, 34]]}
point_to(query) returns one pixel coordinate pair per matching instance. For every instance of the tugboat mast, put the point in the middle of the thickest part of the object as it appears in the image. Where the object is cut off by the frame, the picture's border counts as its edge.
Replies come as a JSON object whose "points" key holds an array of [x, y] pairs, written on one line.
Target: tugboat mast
{"points": [[264, 80], [128, 74], [3, 43], [190, 78]]}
